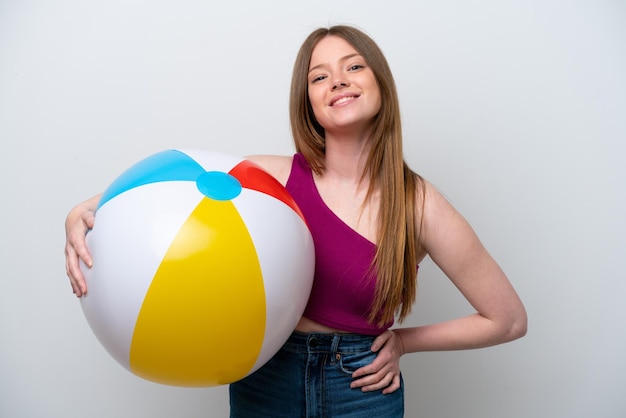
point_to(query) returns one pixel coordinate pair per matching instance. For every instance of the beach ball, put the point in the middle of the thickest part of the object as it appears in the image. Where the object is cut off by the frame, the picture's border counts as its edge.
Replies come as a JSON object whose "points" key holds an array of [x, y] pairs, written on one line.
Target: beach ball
{"points": [[202, 267]]}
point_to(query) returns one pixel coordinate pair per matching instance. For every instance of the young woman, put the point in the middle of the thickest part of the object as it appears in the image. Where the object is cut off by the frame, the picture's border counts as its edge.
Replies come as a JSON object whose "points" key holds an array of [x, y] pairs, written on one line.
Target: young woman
{"points": [[372, 220]]}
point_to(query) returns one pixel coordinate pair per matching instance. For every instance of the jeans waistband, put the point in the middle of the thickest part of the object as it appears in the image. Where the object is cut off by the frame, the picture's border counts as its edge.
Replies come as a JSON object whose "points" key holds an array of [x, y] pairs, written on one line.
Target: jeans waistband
{"points": [[328, 342]]}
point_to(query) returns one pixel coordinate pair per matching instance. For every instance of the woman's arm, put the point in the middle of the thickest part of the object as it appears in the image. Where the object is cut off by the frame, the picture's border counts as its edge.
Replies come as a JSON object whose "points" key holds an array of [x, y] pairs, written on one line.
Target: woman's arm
{"points": [[500, 315], [454, 246], [79, 220]]}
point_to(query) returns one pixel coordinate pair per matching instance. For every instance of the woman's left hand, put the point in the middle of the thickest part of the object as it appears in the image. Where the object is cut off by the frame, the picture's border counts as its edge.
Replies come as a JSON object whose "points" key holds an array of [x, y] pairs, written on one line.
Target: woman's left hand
{"points": [[384, 372]]}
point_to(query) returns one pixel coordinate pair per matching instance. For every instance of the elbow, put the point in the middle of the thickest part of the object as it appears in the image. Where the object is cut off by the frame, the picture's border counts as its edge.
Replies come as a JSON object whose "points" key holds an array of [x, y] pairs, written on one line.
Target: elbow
{"points": [[518, 330], [517, 327]]}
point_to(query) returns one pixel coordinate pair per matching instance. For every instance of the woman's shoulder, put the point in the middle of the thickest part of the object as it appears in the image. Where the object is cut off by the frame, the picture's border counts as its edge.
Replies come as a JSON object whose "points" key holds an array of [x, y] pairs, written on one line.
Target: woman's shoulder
{"points": [[434, 199], [432, 206], [278, 166], [442, 223]]}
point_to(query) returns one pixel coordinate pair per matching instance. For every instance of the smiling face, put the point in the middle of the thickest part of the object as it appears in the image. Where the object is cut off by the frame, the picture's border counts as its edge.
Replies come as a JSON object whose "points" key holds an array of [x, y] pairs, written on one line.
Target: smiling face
{"points": [[342, 88]]}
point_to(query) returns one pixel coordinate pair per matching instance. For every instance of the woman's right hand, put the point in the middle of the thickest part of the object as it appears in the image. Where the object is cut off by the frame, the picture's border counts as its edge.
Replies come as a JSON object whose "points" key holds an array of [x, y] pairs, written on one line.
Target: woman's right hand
{"points": [[78, 222]]}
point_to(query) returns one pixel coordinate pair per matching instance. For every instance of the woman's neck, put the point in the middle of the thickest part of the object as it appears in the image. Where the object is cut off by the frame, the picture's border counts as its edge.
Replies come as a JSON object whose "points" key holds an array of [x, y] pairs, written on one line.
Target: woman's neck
{"points": [[345, 158]]}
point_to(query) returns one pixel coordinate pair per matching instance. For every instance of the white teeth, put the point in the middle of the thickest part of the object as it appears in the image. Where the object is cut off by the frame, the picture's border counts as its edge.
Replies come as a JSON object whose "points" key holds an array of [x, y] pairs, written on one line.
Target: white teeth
{"points": [[343, 100]]}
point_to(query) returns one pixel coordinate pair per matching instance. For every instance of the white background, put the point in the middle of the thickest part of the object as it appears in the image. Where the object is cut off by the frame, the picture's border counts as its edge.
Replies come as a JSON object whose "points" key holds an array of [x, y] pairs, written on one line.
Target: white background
{"points": [[514, 109]]}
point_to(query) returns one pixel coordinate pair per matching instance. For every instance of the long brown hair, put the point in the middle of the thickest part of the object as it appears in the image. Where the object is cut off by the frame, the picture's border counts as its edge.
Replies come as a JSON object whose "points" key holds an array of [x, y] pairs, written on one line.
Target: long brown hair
{"points": [[401, 190]]}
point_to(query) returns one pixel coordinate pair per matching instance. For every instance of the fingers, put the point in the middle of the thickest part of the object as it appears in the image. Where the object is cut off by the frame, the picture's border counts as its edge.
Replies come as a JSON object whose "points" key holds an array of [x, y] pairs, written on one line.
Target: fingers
{"points": [[395, 385], [380, 341], [389, 348], [72, 267], [78, 244], [387, 382], [76, 250], [384, 372], [376, 375]]}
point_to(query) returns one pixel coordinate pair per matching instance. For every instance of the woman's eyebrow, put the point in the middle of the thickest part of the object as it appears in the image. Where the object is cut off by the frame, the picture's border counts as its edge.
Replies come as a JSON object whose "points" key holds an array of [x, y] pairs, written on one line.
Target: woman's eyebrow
{"points": [[347, 57]]}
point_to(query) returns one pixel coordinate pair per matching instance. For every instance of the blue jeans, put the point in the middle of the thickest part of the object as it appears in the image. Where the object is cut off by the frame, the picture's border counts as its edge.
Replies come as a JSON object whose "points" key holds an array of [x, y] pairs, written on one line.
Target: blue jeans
{"points": [[310, 378]]}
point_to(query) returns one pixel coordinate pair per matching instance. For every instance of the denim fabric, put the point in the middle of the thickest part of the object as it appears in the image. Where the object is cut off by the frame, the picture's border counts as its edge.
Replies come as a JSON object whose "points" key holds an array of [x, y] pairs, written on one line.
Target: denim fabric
{"points": [[310, 378]]}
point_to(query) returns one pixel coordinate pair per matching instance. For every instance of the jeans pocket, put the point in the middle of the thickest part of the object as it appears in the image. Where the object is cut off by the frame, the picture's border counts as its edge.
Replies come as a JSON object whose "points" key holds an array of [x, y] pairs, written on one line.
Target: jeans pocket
{"points": [[348, 363]]}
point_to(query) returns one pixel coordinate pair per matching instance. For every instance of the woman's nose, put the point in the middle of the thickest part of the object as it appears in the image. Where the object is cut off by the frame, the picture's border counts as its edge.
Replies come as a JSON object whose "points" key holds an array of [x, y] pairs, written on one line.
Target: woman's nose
{"points": [[340, 83]]}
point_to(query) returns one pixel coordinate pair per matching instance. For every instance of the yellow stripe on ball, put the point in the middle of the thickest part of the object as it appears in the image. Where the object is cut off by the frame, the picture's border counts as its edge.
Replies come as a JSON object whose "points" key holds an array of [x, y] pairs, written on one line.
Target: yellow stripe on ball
{"points": [[210, 271]]}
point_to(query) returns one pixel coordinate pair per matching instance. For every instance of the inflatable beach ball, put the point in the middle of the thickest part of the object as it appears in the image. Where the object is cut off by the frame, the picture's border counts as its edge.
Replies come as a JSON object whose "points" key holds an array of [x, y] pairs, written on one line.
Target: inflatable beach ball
{"points": [[202, 267]]}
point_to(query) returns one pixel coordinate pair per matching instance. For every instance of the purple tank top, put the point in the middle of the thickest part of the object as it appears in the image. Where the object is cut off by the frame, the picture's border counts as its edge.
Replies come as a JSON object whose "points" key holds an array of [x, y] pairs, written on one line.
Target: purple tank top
{"points": [[343, 290]]}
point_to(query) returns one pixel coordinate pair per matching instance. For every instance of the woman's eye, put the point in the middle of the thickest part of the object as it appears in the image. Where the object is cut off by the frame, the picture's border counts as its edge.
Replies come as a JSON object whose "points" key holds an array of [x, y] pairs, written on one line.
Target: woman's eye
{"points": [[317, 78], [356, 67]]}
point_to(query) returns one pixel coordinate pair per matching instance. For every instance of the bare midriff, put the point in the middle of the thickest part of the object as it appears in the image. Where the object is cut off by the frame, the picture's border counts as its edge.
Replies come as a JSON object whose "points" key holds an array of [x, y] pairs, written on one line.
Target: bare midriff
{"points": [[308, 325]]}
